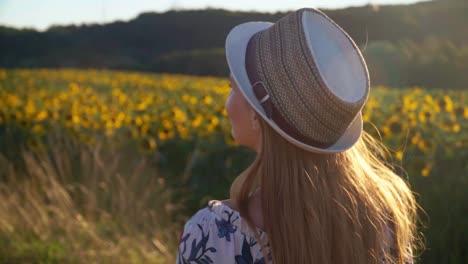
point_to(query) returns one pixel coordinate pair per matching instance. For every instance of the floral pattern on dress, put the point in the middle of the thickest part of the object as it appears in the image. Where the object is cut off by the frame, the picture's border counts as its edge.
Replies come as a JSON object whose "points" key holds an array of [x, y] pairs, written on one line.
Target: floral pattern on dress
{"points": [[198, 252], [215, 237], [246, 256], [226, 227]]}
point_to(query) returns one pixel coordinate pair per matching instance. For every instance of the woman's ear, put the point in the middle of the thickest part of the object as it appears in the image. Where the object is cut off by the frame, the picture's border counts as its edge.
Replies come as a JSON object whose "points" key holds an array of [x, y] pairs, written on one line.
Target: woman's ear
{"points": [[255, 123], [254, 119]]}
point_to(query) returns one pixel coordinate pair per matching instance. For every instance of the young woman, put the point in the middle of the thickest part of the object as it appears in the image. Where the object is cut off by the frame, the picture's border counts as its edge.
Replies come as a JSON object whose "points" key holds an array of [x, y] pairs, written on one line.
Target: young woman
{"points": [[319, 190]]}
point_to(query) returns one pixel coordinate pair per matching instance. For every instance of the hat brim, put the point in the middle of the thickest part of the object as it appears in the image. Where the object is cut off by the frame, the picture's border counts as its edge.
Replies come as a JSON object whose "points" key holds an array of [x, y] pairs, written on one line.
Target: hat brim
{"points": [[235, 48]]}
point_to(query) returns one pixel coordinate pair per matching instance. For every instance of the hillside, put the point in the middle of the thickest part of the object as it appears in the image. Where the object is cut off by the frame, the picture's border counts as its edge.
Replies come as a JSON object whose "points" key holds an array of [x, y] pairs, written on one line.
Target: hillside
{"points": [[192, 41]]}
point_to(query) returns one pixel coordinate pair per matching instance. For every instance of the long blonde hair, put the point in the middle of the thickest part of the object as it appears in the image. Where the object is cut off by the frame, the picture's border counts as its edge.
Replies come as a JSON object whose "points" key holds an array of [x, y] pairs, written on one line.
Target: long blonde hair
{"points": [[328, 208]]}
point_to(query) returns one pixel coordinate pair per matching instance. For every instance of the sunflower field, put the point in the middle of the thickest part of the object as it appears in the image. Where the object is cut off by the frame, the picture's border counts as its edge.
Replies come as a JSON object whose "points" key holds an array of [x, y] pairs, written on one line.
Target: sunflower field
{"points": [[94, 156]]}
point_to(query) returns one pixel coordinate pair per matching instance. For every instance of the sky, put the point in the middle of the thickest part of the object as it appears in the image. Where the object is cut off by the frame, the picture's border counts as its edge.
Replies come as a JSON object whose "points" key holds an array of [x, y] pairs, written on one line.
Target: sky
{"points": [[40, 14]]}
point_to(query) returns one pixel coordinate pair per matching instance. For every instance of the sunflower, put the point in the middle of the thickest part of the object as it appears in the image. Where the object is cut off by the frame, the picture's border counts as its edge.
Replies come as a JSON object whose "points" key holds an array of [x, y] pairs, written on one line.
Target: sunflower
{"points": [[451, 126], [165, 134], [207, 99], [148, 144], [393, 127], [446, 103], [426, 170], [399, 155], [426, 116], [461, 112]]}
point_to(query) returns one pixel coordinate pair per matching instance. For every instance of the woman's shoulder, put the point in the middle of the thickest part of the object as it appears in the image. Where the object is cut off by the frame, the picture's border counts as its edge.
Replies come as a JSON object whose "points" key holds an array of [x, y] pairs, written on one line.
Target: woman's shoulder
{"points": [[223, 216], [217, 232]]}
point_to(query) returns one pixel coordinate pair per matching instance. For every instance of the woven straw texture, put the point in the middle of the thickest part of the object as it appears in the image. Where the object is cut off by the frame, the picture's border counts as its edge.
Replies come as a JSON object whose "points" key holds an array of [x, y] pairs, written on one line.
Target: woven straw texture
{"points": [[284, 63]]}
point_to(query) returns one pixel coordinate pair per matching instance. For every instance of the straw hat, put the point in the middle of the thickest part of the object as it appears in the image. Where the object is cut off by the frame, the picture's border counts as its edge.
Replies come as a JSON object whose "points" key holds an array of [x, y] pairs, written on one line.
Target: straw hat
{"points": [[304, 75]]}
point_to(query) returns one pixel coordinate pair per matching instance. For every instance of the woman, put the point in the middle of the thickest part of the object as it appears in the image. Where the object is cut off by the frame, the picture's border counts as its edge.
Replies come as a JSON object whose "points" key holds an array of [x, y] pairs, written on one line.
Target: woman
{"points": [[318, 190]]}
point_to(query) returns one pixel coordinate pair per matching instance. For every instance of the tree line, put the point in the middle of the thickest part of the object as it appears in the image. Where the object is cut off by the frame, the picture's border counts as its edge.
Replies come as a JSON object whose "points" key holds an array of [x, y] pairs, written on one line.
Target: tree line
{"points": [[423, 44]]}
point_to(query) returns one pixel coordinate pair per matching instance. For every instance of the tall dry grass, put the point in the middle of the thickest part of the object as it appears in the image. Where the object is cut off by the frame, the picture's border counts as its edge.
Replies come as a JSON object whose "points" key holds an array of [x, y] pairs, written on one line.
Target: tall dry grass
{"points": [[96, 204]]}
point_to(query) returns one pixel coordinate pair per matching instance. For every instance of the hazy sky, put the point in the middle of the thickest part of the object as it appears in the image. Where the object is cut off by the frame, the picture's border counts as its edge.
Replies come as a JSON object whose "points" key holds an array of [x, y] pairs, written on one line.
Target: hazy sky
{"points": [[40, 14]]}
